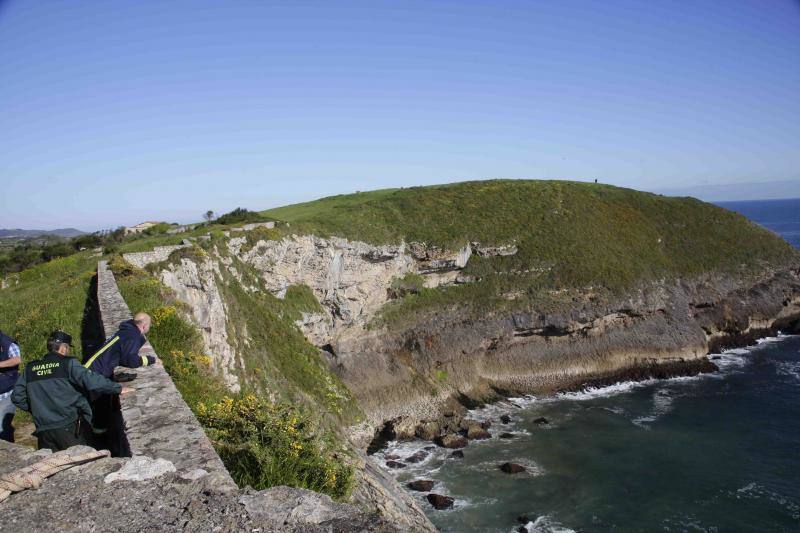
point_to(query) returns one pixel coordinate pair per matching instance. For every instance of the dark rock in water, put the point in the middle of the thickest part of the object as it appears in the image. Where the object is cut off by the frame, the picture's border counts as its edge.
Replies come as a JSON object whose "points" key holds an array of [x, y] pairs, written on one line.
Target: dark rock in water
{"points": [[458, 454], [440, 502], [392, 457], [421, 485], [486, 424], [505, 419], [512, 468], [451, 441], [523, 519], [522, 529], [429, 448], [716, 357], [395, 464], [541, 421], [477, 433], [417, 457], [506, 435]]}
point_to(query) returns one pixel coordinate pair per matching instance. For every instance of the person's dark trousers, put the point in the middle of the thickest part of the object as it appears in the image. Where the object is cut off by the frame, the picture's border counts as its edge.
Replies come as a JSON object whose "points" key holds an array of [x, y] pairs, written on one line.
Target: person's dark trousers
{"points": [[60, 438], [108, 427], [7, 410]]}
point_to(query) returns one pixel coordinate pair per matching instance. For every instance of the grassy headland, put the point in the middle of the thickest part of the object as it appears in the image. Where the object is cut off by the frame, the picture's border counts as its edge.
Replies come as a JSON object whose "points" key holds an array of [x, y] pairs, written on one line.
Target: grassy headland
{"points": [[570, 235]]}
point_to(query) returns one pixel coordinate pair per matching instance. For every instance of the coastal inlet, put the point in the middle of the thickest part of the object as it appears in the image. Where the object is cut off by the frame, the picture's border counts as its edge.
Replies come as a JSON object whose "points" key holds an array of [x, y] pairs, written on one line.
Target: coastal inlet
{"points": [[713, 452]]}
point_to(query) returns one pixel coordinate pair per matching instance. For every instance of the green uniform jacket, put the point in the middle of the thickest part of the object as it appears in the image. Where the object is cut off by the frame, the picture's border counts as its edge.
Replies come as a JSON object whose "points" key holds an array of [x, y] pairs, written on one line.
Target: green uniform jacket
{"points": [[52, 389]]}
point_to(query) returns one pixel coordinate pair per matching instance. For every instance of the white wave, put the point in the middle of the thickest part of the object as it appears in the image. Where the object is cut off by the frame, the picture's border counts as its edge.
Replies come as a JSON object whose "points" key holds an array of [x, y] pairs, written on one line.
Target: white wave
{"points": [[788, 368], [546, 524], [592, 393], [662, 404], [754, 491]]}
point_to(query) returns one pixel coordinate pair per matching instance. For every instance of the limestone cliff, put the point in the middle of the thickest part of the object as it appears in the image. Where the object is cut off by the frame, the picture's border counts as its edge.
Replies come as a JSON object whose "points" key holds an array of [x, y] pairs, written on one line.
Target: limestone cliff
{"points": [[440, 362]]}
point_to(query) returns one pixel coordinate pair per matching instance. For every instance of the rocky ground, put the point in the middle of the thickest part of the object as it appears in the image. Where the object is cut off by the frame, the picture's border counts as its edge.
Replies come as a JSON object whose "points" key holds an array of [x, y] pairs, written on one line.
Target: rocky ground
{"points": [[83, 499]]}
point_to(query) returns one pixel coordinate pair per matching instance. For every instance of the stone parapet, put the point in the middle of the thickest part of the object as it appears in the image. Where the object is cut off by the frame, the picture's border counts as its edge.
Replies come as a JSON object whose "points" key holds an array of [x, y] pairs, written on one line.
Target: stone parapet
{"points": [[156, 255], [159, 423]]}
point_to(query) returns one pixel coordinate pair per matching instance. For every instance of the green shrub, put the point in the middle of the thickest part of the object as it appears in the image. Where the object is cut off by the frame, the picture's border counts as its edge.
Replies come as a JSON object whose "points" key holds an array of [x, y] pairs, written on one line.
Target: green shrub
{"points": [[159, 229], [409, 284], [265, 444], [240, 215]]}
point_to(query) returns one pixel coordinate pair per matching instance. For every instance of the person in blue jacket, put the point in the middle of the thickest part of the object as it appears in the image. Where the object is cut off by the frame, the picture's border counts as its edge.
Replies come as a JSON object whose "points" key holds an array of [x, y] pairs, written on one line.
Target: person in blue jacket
{"points": [[9, 372], [121, 349]]}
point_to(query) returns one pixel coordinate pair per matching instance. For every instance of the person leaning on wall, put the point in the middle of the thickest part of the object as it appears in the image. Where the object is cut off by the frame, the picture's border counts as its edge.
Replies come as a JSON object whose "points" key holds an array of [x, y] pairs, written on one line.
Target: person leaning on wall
{"points": [[51, 389], [121, 349], [10, 360]]}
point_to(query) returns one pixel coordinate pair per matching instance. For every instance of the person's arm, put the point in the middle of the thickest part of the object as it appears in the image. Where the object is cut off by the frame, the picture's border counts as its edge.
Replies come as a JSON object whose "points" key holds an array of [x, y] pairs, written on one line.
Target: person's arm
{"points": [[20, 395], [129, 354], [14, 358], [90, 381]]}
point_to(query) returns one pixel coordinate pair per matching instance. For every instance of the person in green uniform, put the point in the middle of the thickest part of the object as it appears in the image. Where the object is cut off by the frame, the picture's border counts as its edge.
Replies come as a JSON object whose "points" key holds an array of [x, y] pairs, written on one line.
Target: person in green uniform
{"points": [[51, 388]]}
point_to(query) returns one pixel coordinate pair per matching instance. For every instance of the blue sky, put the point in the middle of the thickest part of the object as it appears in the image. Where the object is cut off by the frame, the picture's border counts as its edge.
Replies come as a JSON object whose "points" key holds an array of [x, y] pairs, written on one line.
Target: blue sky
{"points": [[116, 112]]}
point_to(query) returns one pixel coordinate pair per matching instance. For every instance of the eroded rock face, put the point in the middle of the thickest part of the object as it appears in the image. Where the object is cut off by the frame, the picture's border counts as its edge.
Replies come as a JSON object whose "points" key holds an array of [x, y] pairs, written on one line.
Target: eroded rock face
{"points": [[452, 441], [659, 330], [195, 284]]}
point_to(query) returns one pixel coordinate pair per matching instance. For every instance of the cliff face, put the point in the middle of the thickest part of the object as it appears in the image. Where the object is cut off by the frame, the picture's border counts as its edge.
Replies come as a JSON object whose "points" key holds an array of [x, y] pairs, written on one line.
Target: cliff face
{"points": [[412, 379], [416, 378]]}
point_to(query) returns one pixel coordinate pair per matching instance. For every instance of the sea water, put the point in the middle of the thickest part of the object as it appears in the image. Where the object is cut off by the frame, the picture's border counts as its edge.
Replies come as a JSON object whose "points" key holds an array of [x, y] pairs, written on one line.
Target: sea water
{"points": [[716, 452]]}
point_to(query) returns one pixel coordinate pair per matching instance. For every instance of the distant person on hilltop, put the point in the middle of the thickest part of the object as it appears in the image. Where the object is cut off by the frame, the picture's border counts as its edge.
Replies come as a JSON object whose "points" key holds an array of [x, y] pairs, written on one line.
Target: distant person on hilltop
{"points": [[51, 389], [9, 372], [122, 349]]}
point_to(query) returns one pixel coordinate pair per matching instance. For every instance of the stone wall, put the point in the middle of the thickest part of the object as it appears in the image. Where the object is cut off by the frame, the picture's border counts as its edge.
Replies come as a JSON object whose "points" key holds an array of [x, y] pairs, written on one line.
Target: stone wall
{"points": [[156, 255], [159, 423]]}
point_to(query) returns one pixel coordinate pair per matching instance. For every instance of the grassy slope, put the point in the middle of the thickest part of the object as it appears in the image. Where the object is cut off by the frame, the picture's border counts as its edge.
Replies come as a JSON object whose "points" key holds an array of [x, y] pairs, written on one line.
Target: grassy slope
{"points": [[569, 234], [48, 296]]}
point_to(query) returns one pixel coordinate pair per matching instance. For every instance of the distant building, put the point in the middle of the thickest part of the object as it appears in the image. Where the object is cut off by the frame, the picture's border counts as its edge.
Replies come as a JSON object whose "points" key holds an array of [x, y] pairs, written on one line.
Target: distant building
{"points": [[138, 228]]}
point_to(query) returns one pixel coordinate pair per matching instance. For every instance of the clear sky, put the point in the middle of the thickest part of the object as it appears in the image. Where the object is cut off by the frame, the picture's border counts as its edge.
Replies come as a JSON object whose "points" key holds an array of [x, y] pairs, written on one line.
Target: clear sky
{"points": [[116, 112]]}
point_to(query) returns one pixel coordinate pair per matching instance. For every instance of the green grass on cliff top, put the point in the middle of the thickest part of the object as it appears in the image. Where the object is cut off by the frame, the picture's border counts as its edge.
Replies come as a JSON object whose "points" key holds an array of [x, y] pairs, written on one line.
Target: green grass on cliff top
{"points": [[579, 233]]}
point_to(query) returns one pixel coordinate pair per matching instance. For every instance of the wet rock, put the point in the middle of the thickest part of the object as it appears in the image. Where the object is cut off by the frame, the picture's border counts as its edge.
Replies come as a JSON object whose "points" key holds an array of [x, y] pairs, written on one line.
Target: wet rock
{"points": [[512, 468], [451, 441], [421, 485], [505, 419], [467, 424], [395, 464], [427, 430], [506, 435], [392, 457], [541, 421], [417, 457], [523, 519], [429, 448], [477, 433], [716, 357], [458, 454], [440, 502]]}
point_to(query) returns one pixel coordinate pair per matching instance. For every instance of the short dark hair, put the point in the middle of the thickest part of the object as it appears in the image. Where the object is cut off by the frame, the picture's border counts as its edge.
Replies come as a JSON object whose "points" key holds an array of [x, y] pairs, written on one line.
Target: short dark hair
{"points": [[54, 344]]}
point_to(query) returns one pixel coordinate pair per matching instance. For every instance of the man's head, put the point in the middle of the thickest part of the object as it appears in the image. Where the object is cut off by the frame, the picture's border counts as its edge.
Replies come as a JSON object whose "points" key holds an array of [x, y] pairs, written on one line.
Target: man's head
{"points": [[59, 342], [142, 321]]}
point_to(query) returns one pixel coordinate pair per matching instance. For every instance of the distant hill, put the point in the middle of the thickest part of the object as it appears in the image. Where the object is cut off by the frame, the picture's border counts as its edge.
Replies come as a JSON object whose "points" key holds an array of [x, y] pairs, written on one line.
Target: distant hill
{"points": [[62, 232]]}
